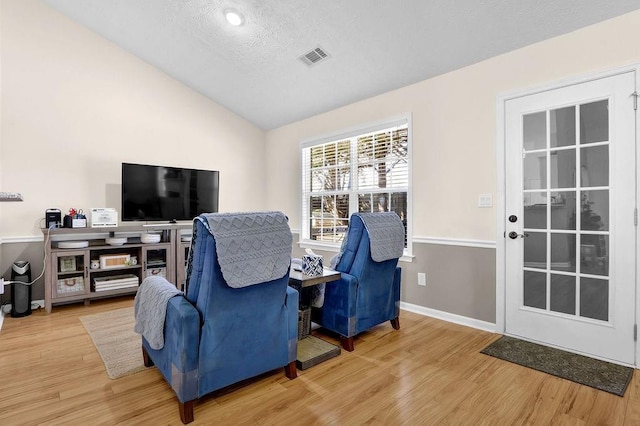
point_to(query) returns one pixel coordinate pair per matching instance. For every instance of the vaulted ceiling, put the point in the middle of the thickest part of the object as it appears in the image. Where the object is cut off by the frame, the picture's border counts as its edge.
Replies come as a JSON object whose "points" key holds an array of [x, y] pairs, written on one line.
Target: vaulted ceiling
{"points": [[372, 46]]}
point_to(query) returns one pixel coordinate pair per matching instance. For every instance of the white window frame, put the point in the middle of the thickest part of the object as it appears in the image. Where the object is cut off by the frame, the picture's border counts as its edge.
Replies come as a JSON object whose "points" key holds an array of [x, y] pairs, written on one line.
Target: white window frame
{"points": [[304, 240]]}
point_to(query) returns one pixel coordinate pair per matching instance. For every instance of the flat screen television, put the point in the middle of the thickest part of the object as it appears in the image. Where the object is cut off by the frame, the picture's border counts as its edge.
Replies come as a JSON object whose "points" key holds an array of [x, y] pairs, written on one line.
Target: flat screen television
{"points": [[161, 193]]}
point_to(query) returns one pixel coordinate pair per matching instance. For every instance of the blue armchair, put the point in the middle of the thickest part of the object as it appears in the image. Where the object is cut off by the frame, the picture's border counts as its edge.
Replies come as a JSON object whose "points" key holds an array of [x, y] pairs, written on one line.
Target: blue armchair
{"points": [[368, 292], [228, 327]]}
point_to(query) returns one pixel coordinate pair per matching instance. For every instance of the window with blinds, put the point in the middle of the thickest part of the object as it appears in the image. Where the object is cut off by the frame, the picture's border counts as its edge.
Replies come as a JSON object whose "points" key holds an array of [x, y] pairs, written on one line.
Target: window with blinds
{"points": [[364, 171]]}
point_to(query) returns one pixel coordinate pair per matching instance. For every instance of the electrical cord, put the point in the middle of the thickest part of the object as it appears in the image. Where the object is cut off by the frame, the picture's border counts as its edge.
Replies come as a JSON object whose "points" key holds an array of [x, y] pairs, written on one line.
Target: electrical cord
{"points": [[6, 308], [44, 261]]}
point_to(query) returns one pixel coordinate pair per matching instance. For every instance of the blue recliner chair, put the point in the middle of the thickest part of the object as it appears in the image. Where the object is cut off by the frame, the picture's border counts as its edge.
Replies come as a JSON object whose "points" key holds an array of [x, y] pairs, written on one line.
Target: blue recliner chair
{"points": [[368, 292], [239, 318]]}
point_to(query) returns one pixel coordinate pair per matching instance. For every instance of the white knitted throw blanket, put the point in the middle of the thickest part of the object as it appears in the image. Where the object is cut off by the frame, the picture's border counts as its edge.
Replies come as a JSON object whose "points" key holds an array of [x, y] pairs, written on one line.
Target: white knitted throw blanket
{"points": [[150, 308], [252, 247], [386, 236]]}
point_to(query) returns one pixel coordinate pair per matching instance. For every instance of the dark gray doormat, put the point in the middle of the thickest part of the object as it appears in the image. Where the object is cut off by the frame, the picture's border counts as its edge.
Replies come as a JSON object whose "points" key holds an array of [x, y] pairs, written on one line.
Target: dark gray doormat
{"points": [[587, 371]]}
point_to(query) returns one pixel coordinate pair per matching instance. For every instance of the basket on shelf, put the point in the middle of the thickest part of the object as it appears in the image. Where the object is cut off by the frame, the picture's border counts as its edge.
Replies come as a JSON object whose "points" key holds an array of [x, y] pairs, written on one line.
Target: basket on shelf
{"points": [[70, 285], [304, 323]]}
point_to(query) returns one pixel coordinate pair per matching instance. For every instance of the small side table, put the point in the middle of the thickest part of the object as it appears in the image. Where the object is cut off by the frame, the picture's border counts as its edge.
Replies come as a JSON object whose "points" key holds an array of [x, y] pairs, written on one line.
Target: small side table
{"points": [[311, 350]]}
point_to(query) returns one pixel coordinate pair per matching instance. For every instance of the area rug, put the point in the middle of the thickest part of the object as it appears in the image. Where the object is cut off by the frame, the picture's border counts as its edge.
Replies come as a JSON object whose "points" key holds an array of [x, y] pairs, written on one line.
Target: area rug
{"points": [[118, 345], [587, 371]]}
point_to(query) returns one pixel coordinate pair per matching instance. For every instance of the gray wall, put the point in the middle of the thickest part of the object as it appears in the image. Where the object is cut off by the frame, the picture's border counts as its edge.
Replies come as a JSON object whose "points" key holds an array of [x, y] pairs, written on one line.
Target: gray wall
{"points": [[32, 252], [460, 280]]}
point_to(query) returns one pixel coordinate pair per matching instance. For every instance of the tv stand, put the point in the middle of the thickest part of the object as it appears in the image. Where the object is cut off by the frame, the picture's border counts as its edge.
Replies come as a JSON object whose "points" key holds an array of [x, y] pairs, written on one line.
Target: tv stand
{"points": [[170, 224], [80, 275]]}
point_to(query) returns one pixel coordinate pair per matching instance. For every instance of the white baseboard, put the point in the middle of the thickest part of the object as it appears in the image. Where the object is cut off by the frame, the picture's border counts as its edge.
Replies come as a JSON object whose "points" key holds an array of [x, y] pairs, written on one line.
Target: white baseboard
{"points": [[39, 303], [449, 317]]}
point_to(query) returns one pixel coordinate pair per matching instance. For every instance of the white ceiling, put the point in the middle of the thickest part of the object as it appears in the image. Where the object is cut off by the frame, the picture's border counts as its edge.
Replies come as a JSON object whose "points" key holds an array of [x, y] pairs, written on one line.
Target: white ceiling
{"points": [[374, 45]]}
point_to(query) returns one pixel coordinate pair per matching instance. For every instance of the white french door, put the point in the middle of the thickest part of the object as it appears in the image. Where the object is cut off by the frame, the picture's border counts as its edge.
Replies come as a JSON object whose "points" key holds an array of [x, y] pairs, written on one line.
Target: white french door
{"points": [[570, 250]]}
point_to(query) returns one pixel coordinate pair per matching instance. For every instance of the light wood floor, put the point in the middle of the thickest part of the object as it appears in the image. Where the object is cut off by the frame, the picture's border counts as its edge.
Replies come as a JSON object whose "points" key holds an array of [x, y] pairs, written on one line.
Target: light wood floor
{"points": [[428, 372]]}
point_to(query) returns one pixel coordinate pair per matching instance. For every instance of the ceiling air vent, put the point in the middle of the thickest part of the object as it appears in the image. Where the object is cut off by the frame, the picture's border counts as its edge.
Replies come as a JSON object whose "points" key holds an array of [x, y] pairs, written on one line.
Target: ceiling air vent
{"points": [[313, 57]]}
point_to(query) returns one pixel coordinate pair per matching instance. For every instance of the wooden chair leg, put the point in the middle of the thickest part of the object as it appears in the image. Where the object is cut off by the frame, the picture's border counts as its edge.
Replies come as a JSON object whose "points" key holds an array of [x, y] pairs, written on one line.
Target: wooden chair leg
{"points": [[146, 359], [395, 323], [347, 343], [186, 411], [291, 371]]}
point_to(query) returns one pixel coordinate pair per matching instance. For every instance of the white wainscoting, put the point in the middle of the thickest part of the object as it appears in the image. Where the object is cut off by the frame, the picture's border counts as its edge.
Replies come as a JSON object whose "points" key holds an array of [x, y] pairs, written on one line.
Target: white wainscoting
{"points": [[21, 239], [463, 242]]}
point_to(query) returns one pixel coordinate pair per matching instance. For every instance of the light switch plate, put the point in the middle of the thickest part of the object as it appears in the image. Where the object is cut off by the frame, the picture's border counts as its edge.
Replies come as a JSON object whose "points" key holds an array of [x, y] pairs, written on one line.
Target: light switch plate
{"points": [[485, 200]]}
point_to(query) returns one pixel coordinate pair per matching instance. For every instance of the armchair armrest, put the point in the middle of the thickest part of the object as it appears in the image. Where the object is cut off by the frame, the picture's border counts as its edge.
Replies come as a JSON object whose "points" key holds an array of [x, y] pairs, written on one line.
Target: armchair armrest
{"points": [[178, 359], [339, 310], [291, 305], [397, 276], [182, 332]]}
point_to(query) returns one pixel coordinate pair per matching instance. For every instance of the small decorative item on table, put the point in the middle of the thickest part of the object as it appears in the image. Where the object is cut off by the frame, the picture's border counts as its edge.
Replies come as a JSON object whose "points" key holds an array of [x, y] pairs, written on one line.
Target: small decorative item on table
{"points": [[68, 264], [75, 219], [103, 217], [114, 260], [312, 265]]}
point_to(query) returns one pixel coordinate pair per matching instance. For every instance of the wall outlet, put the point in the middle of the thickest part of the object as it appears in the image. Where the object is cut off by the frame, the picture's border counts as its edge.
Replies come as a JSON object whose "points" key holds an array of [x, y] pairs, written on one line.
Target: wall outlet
{"points": [[422, 279], [1, 285]]}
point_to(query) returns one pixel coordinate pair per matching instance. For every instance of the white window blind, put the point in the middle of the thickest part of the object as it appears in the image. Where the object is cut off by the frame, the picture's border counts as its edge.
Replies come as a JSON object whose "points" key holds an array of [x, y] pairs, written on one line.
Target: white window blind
{"points": [[364, 170]]}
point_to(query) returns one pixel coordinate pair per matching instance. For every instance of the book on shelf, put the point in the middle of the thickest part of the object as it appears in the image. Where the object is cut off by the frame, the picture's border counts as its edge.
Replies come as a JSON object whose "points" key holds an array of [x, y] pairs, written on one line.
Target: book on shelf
{"points": [[115, 282]]}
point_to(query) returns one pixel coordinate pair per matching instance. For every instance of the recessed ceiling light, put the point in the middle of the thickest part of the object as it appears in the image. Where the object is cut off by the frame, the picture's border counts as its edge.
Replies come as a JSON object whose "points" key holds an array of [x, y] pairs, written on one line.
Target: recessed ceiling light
{"points": [[234, 17]]}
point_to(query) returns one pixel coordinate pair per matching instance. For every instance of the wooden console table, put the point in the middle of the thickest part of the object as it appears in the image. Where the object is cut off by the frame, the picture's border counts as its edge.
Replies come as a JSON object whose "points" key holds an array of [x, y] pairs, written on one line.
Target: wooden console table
{"points": [[311, 350]]}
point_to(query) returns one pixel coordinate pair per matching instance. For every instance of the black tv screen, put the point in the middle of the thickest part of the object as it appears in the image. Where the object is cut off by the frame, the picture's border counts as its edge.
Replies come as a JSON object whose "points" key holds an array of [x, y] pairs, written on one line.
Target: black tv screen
{"points": [[160, 193]]}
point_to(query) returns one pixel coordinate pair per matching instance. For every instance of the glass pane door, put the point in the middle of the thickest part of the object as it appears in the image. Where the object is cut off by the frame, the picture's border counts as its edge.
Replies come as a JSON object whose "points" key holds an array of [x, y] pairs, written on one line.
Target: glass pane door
{"points": [[570, 196], [565, 197]]}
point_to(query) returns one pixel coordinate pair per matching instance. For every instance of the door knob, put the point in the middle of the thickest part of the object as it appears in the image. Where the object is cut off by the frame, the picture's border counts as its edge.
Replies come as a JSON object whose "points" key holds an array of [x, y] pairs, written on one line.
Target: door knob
{"points": [[513, 235], [513, 218]]}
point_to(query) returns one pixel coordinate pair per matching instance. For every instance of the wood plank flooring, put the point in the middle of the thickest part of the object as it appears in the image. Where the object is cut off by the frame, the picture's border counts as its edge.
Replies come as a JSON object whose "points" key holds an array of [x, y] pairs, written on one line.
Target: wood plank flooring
{"points": [[429, 372]]}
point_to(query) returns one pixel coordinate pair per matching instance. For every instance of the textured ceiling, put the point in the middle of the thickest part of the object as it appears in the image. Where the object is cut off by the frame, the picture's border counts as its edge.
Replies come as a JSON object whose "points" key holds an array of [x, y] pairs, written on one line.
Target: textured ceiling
{"points": [[374, 45]]}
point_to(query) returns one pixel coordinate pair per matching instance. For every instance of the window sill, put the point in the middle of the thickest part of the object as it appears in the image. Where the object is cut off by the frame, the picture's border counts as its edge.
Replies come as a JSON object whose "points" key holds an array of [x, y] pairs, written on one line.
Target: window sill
{"points": [[319, 246], [406, 257]]}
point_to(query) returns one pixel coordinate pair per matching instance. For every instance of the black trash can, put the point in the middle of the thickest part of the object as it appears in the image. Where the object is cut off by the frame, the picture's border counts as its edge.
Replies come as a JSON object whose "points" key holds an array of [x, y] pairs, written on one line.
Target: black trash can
{"points": [[20, 293]]}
